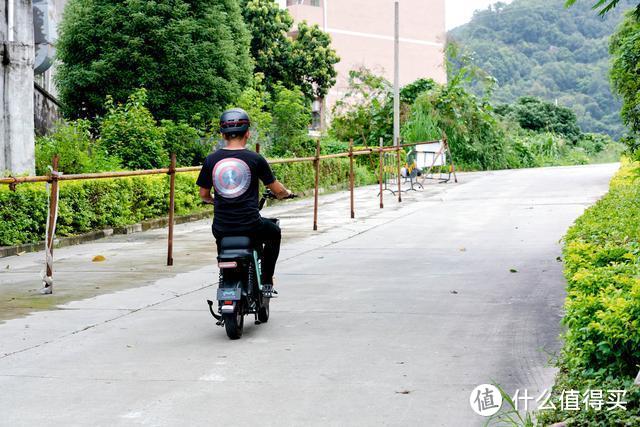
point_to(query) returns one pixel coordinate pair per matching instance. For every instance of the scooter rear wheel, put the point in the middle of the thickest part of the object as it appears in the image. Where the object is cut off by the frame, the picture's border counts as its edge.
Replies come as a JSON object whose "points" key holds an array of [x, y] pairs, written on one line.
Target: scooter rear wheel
{"points": [[234, 322], [263, 313]]}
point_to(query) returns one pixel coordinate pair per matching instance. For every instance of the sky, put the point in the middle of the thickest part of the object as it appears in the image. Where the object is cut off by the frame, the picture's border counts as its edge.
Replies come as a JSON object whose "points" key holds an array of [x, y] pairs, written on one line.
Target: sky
{"points": [[459, 12]]}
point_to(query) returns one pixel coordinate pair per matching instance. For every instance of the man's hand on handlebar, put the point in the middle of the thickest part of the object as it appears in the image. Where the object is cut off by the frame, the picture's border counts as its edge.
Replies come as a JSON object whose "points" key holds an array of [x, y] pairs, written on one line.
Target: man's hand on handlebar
{"points": [[268, 194], [279, 190]]}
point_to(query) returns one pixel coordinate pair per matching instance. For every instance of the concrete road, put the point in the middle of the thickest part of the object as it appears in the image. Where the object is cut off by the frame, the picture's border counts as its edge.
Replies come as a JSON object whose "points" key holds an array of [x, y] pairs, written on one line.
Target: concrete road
{"points": [[389, 319]]}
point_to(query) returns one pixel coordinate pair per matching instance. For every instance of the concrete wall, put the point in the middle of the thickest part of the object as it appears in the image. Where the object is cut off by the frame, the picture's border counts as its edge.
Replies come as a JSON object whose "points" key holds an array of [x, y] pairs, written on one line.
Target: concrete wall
{"points": [[16, 87], [46, 113]]}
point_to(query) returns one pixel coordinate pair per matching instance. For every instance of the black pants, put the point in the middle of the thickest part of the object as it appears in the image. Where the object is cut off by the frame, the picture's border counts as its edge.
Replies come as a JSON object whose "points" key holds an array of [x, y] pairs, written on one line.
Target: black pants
{"points": [[265, 233]]}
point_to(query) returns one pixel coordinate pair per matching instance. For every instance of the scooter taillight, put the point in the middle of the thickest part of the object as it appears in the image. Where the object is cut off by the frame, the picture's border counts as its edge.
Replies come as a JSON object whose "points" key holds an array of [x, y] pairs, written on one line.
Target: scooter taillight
{"points": [[228, 264]]}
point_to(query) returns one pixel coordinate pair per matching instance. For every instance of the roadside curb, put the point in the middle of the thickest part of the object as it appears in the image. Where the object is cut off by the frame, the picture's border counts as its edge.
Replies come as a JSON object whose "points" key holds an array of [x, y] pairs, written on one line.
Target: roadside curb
{"points": [[151, 224]]}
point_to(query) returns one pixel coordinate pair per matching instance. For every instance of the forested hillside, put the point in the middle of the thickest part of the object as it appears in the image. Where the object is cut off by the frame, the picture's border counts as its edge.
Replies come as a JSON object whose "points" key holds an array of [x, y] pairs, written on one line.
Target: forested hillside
{"points": [[540, 48]]}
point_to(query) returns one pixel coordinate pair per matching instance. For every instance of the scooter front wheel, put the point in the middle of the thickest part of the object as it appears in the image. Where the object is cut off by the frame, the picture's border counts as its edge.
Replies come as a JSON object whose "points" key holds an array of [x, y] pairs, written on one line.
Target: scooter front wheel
{"points": [[234, 322]]}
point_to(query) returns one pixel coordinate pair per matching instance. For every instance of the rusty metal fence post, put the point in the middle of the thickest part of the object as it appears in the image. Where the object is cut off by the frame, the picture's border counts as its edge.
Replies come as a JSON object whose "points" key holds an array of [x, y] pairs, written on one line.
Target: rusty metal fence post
{"points": [[172, 206], [351, 179], [381, 172], [316, 164], [51, 227]]}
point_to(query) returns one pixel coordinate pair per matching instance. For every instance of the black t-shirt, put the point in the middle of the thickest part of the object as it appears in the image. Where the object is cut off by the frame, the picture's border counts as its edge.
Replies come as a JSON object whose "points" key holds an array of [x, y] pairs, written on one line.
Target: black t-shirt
{"points": [[233, 175]]}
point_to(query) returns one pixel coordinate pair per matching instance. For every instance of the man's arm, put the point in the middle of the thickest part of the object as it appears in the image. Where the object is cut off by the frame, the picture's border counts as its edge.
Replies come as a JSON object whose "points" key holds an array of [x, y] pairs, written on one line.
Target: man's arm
{"points": [[279, 190], [205, 195]]}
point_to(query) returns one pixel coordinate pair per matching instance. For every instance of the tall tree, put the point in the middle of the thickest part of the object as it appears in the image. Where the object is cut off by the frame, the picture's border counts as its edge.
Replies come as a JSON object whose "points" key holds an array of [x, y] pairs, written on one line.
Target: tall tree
{"points": [[300, 56], [313, 61], [270, 43], [192, 56], [603, 6], [625, 50]]}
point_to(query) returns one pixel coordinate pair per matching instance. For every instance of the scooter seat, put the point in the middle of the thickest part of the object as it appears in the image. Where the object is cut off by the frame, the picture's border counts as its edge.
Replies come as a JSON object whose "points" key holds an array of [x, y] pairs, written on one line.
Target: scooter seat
{"points": [[235, 246], [235, 242]]}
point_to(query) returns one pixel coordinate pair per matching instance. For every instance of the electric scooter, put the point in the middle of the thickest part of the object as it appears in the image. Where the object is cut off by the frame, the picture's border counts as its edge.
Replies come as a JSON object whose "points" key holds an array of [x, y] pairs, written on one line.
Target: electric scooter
{"points": [[240, 288]]}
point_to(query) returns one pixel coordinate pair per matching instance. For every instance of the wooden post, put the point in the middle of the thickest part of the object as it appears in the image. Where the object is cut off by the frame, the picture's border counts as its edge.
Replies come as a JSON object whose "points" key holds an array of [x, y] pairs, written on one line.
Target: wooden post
{"points": [[316, 164], [53, 209], [258, 147], [172, 206], [351, 179], [398, 148], [381, 172]]}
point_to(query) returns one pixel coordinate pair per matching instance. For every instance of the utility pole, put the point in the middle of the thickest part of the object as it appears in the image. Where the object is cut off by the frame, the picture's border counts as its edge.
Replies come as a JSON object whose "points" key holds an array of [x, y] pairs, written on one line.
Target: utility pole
{"points": [[396, 95], [396, 78]]}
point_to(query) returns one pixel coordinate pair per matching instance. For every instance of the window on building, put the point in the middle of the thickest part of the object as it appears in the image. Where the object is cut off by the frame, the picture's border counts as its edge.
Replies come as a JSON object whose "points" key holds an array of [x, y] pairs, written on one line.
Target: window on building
{"points": [[316, 3]]}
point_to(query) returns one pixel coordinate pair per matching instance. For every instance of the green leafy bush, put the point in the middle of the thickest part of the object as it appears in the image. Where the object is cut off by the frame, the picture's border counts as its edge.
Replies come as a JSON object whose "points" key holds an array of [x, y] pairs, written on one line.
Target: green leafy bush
{"points": [[291, 117], [602, 267], [186, 142], [77, 151], [625, 51], [537, 115], [129, 132]]}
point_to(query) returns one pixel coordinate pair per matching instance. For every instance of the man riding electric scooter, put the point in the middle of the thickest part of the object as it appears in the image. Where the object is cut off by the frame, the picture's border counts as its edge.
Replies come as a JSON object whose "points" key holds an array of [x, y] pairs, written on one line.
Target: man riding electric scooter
{"points": [[233, 173]]}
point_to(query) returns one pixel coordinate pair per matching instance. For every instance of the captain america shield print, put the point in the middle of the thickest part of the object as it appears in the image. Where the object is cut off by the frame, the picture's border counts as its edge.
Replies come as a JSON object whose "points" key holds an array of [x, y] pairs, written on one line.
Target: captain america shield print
{"points": [[231, 178]]}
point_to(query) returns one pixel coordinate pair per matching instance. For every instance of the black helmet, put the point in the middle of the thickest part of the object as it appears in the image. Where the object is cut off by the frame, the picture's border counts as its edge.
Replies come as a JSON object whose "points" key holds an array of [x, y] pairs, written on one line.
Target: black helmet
{"points": [[234, 121]]}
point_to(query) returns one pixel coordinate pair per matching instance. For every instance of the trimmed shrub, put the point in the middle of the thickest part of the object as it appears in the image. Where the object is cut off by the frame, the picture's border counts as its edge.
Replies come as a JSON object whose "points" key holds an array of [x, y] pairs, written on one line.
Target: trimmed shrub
{"points": [[91, 205], [602, 341], [129, 132]]}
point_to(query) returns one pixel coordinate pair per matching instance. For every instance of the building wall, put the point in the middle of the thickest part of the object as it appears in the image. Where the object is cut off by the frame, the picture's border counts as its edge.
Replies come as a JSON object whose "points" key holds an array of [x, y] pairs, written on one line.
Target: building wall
{"points": [[362, 32], [16, 87]]}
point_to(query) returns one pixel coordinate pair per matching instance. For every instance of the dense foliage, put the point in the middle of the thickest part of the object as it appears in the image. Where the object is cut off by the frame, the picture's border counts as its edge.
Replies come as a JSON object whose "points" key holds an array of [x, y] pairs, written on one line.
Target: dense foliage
{"points": [[191, 56], [128, 137], [602, 266], [94, 205], [625, 49], [539, 48], [77, 151], [130, 132], [604, 6], [529, 133], [537, 115], [365, 112], [307, 60], [291, 113]]}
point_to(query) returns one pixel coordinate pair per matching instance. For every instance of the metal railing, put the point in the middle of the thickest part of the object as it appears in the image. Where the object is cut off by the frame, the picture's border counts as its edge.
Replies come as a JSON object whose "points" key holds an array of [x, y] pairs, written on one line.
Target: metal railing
{"points": [[54, 179]]}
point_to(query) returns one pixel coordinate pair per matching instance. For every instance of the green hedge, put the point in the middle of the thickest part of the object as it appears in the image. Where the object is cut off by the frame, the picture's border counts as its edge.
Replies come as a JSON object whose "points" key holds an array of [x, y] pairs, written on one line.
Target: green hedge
{"points": [[98, 204], [602, 267]]}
